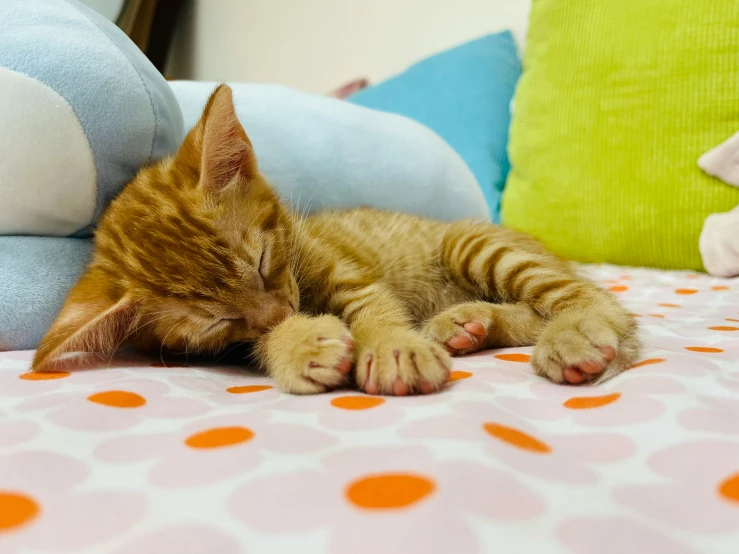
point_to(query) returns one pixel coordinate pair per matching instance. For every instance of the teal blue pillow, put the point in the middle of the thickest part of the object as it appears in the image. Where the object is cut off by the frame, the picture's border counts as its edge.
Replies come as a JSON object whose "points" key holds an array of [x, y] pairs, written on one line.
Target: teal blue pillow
{"points": [[463, 94]]}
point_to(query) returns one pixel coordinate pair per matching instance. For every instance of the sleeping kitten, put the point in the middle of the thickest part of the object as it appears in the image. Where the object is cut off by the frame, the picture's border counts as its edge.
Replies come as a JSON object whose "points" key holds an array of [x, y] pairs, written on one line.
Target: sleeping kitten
{"points": [[198, 253]]}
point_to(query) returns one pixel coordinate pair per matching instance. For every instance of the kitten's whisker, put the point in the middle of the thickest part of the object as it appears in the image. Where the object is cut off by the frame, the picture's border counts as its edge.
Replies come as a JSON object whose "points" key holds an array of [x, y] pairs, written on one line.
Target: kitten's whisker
{"points": [[164, 340], [134, 329], [227, 351]]}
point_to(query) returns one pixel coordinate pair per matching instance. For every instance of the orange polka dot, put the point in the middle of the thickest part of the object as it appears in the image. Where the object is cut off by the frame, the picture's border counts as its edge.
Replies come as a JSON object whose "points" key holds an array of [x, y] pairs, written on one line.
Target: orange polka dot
{"points": [[625, 277], [660, 316], [668, 305], [732, 319], [118, 399], [513, 357], [693, 276], [635, 315], [16, 509], [356, 402], [720, 287], [706, 349], [650, 361], [686, 291], [389, 491], [247, 389], [618, 288], [588, 402], [729, 488], [43, 375], [219, 437], [724, 328], [517, 438], [457, 375]]}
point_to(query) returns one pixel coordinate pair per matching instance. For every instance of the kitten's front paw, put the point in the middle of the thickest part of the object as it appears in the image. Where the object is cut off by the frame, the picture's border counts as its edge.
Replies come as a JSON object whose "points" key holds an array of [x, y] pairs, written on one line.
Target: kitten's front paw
{"points": [[580, 348], [401, 362], [309, 355]]}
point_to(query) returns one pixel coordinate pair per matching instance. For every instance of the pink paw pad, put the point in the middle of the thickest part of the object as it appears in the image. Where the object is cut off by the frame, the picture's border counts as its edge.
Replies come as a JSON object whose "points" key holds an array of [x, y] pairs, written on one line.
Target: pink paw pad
{"points": [[462, 342], [345, 366], [577, 375], [400, 388]]}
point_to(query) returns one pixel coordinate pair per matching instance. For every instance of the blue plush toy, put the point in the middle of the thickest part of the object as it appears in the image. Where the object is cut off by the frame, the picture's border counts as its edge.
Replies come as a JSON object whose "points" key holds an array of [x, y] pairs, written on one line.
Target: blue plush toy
{"points": [[320, 153], [82, 110]]}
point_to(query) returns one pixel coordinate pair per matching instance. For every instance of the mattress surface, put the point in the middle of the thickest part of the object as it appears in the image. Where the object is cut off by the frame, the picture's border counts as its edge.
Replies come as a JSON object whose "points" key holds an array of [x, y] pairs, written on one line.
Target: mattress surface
{"points": [[135, 456]]}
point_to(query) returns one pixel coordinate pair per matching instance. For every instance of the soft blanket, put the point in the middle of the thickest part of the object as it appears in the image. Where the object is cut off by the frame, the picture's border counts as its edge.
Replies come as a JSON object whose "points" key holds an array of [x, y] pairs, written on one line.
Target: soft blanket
{"points": [[138, 457]]}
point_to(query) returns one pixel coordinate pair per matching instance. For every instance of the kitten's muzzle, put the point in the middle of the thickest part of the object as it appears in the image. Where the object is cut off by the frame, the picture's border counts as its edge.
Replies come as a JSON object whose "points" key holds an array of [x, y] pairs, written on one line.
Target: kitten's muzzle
{"points": [[271, 315]]}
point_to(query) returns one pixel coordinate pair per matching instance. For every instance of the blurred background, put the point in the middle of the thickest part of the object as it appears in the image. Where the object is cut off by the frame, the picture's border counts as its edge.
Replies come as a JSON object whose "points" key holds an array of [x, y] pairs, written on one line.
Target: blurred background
{"points": [[312, 45]]}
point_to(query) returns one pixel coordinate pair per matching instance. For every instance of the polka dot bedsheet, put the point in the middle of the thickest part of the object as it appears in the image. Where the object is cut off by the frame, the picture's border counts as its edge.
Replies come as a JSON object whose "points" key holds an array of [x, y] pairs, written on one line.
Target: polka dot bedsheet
{"points": [[141, 458]]}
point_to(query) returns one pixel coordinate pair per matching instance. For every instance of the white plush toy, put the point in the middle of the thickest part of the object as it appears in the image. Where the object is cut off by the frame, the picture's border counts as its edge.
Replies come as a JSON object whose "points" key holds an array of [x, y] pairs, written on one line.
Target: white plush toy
{"points": [[81, 110], [719, 240]]}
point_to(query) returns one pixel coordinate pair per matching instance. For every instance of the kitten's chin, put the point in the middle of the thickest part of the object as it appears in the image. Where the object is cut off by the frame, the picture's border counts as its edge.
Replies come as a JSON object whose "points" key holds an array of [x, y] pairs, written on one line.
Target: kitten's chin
{"points": [[247, 337], [236, 353]]}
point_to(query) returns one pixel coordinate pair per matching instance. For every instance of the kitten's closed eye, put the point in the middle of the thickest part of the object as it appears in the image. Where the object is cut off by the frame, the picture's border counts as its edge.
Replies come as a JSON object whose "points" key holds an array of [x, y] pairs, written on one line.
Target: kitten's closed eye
{"points": [[223, 323], [263, 259]]}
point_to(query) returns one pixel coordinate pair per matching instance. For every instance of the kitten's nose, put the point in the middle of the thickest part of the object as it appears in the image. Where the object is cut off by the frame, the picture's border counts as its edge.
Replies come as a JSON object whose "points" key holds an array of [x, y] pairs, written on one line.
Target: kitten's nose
{"points": [[283, 312], [274, 313]]}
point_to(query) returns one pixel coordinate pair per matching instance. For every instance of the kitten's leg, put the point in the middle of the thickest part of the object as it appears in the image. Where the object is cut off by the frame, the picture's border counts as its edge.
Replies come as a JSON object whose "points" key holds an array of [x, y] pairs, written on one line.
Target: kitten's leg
{"points": [[391, 357], [473, 326], [308, 355], [590, 336]]}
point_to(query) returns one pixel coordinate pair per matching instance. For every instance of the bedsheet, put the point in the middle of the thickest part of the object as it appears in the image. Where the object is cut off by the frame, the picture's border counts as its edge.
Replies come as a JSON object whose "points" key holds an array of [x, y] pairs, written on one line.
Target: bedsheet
{"points": [[138, 457]]}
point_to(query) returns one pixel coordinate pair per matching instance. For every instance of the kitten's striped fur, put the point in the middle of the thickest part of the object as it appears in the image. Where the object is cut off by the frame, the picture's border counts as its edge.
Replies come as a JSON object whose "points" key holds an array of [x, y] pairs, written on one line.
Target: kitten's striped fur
{"points": [[198, 252]]}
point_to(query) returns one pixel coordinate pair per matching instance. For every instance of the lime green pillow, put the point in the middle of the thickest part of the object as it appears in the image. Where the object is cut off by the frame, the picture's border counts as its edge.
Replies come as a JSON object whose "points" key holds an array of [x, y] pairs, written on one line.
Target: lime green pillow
{"points": [[618, 100]]}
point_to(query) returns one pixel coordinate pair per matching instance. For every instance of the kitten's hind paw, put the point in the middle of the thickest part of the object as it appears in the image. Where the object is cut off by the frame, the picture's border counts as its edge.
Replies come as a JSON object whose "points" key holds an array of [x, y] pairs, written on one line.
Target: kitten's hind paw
{"points": [[473, 326], [309, 355], [460, 330], [583, 348]]}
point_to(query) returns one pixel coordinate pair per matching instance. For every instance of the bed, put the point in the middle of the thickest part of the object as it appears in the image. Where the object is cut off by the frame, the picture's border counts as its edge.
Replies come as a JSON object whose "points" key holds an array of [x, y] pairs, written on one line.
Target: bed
{"points": [[140, 456]]}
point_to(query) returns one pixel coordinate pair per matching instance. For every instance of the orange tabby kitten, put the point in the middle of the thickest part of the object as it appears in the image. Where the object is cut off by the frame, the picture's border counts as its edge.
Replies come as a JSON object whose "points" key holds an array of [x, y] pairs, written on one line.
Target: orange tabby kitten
{"points": [[198, 253]]}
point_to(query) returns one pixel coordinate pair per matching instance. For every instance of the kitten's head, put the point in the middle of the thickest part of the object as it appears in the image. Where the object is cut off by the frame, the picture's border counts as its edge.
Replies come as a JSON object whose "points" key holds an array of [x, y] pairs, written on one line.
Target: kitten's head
{"points": [[194, 254]]}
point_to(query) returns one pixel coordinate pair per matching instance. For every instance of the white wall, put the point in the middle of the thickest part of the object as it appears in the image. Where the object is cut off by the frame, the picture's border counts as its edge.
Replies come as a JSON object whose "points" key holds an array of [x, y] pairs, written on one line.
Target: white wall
{"points": [[109, 9], [317, 45]]}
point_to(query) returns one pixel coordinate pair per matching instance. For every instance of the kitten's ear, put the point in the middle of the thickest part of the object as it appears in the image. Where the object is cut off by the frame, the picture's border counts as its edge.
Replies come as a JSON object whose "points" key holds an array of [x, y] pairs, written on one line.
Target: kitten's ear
{"points": [[91, 320], [226, 151]]}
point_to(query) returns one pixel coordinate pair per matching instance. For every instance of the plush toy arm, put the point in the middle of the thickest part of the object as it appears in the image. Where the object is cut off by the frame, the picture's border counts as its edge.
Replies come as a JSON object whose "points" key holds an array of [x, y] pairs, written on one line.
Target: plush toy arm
{"points": [[719, 244]]}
